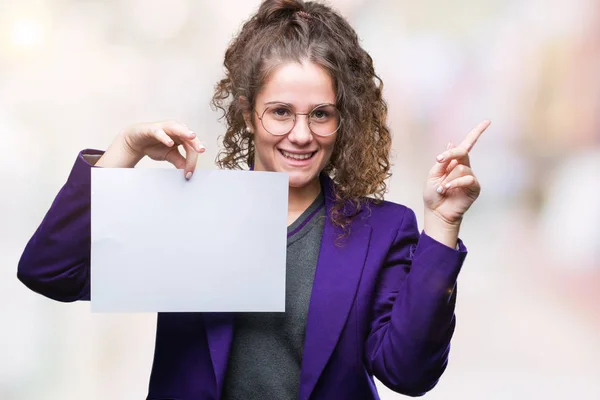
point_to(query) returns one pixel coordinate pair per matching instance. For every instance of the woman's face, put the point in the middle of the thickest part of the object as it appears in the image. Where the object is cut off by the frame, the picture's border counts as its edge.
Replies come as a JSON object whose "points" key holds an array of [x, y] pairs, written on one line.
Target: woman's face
{"points": [[294, 87]]}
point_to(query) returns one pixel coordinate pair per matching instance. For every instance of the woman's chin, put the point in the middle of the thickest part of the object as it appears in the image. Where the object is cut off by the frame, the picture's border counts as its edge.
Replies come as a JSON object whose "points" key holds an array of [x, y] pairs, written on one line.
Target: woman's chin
{"points": [[299, 180]]}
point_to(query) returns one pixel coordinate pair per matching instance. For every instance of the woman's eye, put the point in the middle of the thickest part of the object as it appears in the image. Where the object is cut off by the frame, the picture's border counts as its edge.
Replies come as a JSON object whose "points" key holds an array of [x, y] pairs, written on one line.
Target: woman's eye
{"points": [[281, 112], [320, 114]]}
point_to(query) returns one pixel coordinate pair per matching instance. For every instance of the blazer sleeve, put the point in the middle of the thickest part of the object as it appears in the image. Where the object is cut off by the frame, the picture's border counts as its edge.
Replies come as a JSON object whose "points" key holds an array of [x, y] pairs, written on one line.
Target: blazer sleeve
{"points": [[413, 316], [56, 260]]}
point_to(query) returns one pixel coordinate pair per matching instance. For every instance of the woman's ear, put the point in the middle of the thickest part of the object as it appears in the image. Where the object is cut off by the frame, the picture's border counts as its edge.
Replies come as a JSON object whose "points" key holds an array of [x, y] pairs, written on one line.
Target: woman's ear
{"points": [[247, 113]]}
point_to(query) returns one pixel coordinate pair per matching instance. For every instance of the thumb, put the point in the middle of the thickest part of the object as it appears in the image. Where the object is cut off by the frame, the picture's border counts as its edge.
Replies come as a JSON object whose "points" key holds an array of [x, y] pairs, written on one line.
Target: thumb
{"points": [[175, 158], [453, 162], [440, 167]]}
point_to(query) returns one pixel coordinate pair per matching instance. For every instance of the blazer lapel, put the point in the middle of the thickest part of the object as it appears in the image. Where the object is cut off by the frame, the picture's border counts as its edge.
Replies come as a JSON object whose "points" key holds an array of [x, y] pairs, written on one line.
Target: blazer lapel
{"points": [[219, 334], [338, 273]]}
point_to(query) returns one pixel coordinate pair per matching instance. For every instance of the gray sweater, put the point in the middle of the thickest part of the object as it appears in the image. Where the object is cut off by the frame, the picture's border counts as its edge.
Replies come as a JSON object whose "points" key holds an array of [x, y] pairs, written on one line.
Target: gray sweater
{"points": [[266, 353]]}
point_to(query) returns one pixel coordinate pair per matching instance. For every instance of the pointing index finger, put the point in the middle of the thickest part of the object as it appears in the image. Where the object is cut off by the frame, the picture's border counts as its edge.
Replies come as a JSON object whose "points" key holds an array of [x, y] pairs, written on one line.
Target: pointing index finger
{"points": [[474, 135]]}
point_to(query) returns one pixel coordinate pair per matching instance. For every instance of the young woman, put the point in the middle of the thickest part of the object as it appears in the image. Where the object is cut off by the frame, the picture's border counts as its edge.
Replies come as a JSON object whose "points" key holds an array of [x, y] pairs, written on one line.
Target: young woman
{"points": [[367, 293]]}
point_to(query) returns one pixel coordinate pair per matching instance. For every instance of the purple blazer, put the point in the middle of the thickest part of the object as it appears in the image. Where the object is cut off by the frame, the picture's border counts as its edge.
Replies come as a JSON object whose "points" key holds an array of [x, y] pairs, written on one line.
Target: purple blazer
{"points": [[382, 304]]}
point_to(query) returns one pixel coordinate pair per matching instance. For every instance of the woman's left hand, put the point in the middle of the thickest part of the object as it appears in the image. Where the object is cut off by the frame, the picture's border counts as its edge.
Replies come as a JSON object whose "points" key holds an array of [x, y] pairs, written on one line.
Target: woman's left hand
{"points": [[451, 186]]}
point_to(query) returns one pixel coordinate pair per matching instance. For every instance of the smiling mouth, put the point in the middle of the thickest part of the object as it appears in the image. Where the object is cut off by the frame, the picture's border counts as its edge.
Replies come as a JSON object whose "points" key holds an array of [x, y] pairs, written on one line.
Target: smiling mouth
{"points": [[297, 157]]}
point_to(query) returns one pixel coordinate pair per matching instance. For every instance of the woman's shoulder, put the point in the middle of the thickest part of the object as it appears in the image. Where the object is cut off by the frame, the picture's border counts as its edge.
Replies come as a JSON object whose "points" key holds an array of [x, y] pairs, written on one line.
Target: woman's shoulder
{"points": [[367, 208], [385, 211]]}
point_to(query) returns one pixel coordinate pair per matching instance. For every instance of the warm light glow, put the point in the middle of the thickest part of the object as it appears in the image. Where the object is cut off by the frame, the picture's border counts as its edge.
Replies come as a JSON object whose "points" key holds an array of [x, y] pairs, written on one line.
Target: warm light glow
{"points": [[27, 33]]}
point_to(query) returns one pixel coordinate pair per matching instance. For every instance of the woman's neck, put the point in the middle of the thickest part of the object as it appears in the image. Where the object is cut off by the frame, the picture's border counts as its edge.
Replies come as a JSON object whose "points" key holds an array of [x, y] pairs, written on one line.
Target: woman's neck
{"points": [[299, 199]]}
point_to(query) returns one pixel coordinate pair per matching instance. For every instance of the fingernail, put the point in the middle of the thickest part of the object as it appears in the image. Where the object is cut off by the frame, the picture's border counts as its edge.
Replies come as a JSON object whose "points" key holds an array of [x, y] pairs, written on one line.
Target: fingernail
{"points": [[188, 175], [448, 185], [440, 189], [440, 157], [192, 133], [448, 146], [200, 148]]}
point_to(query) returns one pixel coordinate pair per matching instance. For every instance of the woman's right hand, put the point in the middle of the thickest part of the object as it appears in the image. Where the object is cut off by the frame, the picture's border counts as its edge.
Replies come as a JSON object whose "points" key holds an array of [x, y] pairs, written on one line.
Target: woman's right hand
{"points": [[158, 140]]}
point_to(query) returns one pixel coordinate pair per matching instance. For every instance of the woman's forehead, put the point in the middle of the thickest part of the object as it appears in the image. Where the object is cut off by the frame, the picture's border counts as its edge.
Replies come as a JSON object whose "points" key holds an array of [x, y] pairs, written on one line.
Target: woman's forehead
{"points": [[298, 84]]}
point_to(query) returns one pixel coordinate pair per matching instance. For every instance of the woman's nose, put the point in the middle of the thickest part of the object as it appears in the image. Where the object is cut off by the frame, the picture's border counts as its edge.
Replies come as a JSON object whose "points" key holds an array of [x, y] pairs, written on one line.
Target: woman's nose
{"points": [[301, 134]]}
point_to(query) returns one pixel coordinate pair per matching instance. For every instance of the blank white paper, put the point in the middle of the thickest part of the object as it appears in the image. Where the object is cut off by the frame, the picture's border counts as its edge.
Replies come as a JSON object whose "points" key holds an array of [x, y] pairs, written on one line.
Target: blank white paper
{"points": [[215, 243]]}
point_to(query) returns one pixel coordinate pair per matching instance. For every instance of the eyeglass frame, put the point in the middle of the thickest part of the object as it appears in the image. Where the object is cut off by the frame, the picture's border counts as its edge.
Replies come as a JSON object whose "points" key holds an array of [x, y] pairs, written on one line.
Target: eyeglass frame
{"points": [[260, 117]]}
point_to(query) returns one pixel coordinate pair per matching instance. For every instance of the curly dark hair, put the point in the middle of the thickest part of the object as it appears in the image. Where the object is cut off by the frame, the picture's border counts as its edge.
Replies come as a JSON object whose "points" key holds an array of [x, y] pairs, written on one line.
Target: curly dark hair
{"points": [[292, 31]]}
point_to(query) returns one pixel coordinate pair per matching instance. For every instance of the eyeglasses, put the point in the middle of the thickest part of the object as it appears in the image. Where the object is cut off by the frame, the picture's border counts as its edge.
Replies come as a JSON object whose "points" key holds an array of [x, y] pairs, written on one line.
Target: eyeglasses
{"points": [[280, 119]]}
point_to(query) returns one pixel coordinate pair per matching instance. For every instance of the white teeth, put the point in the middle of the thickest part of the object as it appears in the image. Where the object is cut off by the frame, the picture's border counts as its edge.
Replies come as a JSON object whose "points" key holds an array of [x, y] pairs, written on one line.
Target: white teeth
{"points": [[297, 156]]}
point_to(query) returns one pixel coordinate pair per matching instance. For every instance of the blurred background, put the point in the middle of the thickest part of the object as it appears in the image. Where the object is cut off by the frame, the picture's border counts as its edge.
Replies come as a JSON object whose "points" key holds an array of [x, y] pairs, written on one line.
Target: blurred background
{"points": [[73, 73]]}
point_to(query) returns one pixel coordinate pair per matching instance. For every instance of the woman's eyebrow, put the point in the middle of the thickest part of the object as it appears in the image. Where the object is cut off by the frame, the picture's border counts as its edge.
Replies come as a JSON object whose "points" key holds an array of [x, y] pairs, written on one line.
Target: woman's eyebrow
{"points": [[311, 106], [268, 103]]}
